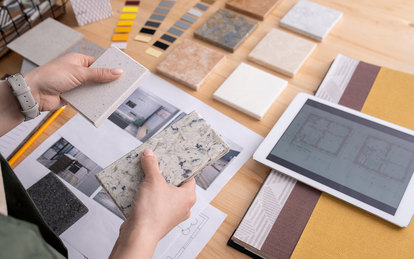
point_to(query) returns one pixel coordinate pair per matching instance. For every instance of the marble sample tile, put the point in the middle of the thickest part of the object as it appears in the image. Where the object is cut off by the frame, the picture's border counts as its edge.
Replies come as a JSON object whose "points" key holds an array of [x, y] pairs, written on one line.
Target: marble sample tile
{"points": [[282, 52], [46, 41], [96, 101], [183, 150], [190, 63], [225, 29], [310, 19], [250, 90], [119, 45], [59, 207], [253, 8], [91, 11]]}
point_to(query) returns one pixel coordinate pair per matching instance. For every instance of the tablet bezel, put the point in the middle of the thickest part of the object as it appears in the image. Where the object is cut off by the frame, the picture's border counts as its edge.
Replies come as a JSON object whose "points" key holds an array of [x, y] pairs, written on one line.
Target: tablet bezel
{"points": [[405, 209]]}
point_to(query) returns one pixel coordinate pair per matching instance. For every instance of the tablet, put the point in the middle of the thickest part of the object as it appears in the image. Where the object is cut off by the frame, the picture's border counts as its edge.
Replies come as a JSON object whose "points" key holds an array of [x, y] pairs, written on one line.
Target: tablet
{"points": [[360, 159]]}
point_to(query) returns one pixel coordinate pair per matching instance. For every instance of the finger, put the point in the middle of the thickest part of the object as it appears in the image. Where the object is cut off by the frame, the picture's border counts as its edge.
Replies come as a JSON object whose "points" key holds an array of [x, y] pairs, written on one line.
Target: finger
{"points": [[149, 164], [189, 185], [88, 60], [101, 74]]}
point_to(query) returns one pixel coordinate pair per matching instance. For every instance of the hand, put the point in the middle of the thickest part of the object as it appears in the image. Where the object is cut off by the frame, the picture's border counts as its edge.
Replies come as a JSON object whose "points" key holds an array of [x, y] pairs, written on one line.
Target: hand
{"points": [[47, 82], [157, 209]]}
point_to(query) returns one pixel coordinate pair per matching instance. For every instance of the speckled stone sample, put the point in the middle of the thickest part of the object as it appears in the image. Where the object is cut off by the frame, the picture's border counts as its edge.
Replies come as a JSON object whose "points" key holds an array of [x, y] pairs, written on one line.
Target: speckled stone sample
{"points": [[256, 9], [250, 90], [311, 19], [59, 207], [190, 63], [183, 149], [46, 41], [225, 29], [281, 51], [96, 101]]}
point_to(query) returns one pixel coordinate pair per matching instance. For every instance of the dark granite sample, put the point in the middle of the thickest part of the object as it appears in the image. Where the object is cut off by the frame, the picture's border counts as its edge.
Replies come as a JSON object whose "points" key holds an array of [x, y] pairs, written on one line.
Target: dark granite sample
{"points": [[147, 31], [168, 38], [59, 207], [161, 45], [153, 24], [225, 29], [201, 6]]}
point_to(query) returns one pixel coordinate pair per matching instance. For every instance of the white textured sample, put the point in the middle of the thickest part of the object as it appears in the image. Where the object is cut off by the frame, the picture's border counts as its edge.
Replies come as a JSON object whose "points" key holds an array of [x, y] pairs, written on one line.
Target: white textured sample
{"points": [[183, 150], [311, 19], [91, 10], [250, 90], [46, 41], [96, 101]]}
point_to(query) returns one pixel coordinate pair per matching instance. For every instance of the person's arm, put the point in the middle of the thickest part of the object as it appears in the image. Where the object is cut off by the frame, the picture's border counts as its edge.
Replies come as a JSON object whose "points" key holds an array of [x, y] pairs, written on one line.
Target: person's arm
{"points": [[46, 84], [158, 208]]}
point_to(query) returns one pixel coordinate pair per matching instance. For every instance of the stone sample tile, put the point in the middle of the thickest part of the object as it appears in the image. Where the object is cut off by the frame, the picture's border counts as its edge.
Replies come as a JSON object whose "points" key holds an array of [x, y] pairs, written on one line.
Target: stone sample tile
{"points": [[250, 90], [225, 29], [183, 150], [256, 9], [96, 101], [281, 51], [311, 19], [91, 49], [91, 11], [190, 63], [46, 41], [59, 207]]}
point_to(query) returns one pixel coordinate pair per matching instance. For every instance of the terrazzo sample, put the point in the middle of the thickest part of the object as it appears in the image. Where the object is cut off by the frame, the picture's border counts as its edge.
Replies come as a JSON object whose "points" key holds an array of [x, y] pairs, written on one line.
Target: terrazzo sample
{"points": [[256, 9], [183, 149], [250, 90], [311, 19], [96, 101], [46, 41], [225, 29], [190, 63], [59, 207], [282, 52]]}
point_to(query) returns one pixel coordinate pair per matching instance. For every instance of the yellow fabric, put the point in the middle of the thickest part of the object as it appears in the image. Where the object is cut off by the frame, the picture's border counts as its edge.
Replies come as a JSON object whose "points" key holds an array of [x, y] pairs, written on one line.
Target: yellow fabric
{"points": [[339, 230], [130, 9]]}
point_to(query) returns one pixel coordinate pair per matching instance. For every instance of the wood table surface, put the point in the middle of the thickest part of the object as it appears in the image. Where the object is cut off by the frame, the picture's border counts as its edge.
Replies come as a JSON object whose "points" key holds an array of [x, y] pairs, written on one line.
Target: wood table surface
{"points": [[379, 32]]}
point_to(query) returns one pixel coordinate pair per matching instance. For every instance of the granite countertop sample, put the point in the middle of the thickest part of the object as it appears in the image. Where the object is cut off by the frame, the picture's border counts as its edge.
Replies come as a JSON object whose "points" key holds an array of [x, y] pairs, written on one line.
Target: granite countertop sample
{"points": [[59, 207], [225, 29], [183, 150]]}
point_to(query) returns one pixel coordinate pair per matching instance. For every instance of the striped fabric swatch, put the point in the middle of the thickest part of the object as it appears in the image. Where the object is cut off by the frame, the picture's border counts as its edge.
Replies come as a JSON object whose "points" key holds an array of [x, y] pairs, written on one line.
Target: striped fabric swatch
{"points": [[126, 20]]}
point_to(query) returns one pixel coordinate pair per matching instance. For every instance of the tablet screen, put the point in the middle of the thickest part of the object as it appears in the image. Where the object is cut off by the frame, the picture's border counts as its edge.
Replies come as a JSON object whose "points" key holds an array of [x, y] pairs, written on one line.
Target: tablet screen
{"points": [[360, 158]]}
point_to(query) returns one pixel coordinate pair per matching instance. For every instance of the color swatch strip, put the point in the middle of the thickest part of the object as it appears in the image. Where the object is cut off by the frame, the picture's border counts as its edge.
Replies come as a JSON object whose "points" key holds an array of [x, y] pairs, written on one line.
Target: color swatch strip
{"points": [[124, 26], [175, 31]]}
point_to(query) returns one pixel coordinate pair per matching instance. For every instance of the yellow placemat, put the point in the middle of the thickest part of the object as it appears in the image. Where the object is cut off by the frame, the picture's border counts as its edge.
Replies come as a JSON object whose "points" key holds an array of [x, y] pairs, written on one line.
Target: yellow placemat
{"points": [[339, 230]]}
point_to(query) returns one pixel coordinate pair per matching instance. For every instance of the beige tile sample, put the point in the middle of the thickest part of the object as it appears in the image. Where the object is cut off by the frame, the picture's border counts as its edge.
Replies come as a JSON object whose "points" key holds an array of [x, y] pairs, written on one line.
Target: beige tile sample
{"points": [[96, 101], [282, 52], [250, 90], [183, 150], [256, 9], [46, 41], [190, 63]]}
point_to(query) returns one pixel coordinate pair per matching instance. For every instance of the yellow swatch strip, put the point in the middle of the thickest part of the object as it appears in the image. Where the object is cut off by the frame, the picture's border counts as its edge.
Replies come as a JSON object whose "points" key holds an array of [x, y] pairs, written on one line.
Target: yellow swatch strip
{"points": [[153, 52], [120, 37], [123, 29], [128, 16], [130, 9], [125, 23], [142, 38]]}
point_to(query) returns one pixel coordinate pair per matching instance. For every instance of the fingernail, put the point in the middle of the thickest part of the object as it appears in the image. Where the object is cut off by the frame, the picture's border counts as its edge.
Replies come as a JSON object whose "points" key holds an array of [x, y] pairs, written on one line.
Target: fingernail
{"points": [[148, 152], [116, 71]]}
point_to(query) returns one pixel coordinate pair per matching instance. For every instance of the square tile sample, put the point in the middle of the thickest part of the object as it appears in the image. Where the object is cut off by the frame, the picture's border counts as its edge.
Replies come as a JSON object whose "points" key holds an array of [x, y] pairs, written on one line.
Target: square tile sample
{"points": [[183, 150], [253, 8], [311, 19], [59, 207], [225, 29], [190, 63], [250, 90], [282, 52], [46, 41], [96, 101], [91, 11]]}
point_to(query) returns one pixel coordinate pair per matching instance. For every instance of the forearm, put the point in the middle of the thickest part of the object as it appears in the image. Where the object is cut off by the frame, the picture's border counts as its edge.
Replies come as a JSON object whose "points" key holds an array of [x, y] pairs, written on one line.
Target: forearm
{"points": [[10, 115]]}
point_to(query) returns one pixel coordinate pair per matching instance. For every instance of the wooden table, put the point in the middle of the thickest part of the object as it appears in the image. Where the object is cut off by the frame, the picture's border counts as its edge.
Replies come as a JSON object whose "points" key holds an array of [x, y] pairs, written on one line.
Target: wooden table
{"points": [[379, 32]]}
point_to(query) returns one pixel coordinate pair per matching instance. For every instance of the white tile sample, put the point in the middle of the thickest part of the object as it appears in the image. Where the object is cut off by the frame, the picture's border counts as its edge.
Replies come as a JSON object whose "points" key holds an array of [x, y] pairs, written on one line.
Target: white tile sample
{"points": [[119, 45], [96, 101], [250, 90], [311, 19], [91, 11], [183, 150], [46, 41], [281, 51]]}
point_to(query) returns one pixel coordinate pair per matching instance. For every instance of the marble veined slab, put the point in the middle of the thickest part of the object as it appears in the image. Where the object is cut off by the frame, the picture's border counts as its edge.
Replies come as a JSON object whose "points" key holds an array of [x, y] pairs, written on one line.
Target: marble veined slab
{"points": [[183, 150]]}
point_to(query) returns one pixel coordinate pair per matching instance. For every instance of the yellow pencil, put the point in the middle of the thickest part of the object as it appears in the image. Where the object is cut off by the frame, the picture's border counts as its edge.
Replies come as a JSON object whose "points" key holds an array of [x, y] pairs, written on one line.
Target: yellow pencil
{"points": [[35, 136]]}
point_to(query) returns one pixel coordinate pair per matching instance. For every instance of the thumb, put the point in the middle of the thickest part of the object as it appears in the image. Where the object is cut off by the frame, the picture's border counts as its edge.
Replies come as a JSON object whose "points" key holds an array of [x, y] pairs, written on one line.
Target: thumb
{"points": [[101, 75], [149, 164]]}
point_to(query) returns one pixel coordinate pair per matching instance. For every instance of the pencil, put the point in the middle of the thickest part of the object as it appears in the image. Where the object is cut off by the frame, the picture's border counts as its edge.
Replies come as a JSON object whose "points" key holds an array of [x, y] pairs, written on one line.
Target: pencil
{"points": [[35, 136]]}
